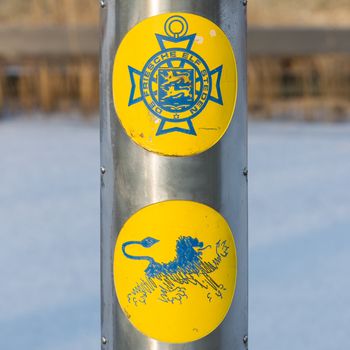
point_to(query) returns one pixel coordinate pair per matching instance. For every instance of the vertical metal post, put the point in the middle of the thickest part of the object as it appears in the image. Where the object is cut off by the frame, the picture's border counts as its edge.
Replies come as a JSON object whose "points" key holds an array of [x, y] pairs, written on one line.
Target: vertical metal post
{"points": [[133, 177]]}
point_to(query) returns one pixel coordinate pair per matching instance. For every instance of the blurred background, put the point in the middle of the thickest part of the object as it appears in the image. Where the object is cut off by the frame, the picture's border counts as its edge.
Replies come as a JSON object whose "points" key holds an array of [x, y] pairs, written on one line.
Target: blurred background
{"points": [[299, 151], [298, 58]]}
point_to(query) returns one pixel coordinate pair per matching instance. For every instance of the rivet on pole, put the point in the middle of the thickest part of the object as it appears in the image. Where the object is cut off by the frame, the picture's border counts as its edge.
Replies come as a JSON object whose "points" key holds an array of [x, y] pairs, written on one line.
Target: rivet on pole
{"points": [[245, 171], [103, 3]]}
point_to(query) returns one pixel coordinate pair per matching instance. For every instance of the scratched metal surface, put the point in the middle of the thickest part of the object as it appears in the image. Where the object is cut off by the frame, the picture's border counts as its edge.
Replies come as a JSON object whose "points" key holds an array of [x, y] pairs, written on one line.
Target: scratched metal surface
{"points": [[135, 177]]}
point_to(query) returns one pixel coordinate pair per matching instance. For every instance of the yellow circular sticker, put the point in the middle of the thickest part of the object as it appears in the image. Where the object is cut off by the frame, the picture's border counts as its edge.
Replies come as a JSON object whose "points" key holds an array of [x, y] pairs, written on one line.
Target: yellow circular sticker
{"points": [[175, 84], [175, 270]]}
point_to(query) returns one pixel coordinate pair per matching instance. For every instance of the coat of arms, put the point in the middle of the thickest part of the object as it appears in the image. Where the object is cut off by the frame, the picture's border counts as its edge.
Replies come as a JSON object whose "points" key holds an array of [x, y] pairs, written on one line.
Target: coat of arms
{"points": [[175, 83]]}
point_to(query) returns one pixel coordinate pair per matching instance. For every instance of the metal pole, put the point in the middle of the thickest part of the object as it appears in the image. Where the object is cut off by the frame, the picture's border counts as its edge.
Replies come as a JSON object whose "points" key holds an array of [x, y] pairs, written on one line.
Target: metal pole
{"points": [[173, 162]]}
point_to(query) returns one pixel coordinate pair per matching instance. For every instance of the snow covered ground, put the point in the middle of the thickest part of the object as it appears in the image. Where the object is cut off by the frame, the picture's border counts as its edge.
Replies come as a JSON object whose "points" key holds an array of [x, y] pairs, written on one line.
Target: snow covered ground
{"points": [[299, 236], [49, 231]]}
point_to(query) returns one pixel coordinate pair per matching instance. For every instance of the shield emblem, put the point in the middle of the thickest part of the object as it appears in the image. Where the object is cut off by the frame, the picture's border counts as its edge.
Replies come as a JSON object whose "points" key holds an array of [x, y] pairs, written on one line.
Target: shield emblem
{"points": [[176, 88]]}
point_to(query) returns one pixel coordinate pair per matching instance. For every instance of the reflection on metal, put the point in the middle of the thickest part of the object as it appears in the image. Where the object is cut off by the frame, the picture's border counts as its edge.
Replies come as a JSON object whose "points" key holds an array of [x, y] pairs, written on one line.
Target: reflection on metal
{"points": [[137, 178]]}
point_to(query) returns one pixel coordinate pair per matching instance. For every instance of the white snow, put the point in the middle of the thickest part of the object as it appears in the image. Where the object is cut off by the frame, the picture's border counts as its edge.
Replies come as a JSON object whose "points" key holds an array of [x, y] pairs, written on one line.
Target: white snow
{"points": [[299, 236], [49, 256], [49, 231]]}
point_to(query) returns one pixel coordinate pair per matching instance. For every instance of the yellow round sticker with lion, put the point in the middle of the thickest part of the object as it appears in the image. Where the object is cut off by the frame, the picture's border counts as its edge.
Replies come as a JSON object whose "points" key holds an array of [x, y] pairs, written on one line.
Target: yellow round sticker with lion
{"points": [[175, 84], [175, 270]]}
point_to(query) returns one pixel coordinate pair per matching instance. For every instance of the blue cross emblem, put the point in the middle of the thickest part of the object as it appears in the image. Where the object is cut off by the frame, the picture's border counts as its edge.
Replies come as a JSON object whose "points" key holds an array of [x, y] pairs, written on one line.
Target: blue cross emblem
{"points": [[176, 83]]}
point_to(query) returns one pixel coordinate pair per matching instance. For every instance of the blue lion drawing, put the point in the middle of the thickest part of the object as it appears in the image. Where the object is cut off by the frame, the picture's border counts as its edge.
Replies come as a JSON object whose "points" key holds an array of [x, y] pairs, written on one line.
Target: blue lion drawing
{"points": [[172, 277]]}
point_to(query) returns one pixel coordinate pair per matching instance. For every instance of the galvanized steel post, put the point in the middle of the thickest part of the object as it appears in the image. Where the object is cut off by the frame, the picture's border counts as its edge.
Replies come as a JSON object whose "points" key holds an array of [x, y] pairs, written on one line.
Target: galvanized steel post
{"points": [[136, 172]]}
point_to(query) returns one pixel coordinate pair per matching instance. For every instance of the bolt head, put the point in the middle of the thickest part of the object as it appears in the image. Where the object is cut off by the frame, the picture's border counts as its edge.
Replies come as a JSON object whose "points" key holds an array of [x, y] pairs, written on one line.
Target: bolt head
{"points": [[103, 3], [245, 339], [103, 170], [104, 340]]}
